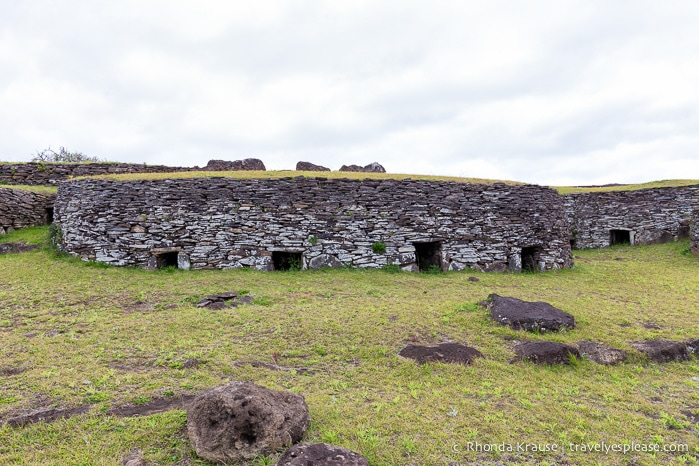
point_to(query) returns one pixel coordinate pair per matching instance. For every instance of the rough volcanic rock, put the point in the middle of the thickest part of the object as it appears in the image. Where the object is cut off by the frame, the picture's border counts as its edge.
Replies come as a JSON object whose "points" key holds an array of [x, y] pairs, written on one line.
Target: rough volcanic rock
{"points": [[223, 301], [532, 316], [235, 165], [321, 454], [663, 350], [135, 458], [17, 247], [545, 352], [444, 352], [311, 167], [601, 354], [240, 420], [324, 261], [374, 167]]}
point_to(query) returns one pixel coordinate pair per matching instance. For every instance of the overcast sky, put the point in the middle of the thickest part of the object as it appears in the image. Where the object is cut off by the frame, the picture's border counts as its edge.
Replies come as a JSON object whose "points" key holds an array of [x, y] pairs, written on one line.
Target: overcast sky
{"points": [[548, 92]]}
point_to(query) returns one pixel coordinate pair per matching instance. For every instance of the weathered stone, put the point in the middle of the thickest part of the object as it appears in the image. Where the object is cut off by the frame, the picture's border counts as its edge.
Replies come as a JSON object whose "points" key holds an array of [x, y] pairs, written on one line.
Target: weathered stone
{"points": [[444, 352], [374, 167], [320, 454], [693, 346], [310, 167], [235, 165], [324, 261], [601, 354], [135, 458], [663, 350], [545, 352], [240, 421], [532, 316]]}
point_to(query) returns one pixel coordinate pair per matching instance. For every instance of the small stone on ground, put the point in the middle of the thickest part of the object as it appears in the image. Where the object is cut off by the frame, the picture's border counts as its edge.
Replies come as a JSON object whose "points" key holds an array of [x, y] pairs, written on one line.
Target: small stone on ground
{"points": [[663, 350], [545, 352], [532, 316], [601, 354], [444, 352], [321, 454]]}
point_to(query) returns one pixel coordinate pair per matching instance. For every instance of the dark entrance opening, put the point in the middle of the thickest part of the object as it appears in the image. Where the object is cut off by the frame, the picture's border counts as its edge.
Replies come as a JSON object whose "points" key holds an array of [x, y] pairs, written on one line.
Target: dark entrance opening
{"points": [[166, 259], [619, 237], [530, 259], [284, 260], [429, 256], [683, 231], [48, 215]]}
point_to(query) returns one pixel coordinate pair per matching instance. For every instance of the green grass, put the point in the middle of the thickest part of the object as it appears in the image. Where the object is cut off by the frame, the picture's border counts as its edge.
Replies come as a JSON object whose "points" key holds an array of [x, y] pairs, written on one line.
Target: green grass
{"points": [[274, 174], [34, 189], [31, 235], [626, 187], [111, 336]]}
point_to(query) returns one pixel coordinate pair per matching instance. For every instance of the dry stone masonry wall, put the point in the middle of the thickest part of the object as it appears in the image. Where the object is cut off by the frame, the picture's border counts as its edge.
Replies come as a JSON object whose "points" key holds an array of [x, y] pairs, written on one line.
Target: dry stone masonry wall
{"points": [[45, 173], [21, 209], [695, 234], [645, 216], [302, 222]]}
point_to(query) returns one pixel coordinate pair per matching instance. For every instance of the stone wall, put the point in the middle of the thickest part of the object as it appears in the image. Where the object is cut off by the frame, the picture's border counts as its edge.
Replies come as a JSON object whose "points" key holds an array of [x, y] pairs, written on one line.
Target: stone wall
{"points": [[313, 222], [20, 209], [45, 173], [694, 245], [645, 216]]}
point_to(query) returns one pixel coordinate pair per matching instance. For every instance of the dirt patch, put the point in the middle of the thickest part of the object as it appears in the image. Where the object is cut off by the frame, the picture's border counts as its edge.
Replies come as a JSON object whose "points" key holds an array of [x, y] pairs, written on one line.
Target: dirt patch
{"points": [[46, 415], [155, 406], [651, 325], [7, 370], [444, 352], [693, 416], [13, 248], [274, 367]]}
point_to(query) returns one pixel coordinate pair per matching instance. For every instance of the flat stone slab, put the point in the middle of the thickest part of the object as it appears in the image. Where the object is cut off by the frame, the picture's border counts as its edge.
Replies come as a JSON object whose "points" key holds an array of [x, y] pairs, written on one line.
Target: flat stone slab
{"points": [[601, 354], [545, 352], [321, 454], [525, 315], [444, 352], [225, 300], [663, 350]]}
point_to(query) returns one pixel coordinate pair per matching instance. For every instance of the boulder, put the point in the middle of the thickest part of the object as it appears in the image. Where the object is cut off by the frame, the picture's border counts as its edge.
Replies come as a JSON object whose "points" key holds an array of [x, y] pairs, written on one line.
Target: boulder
{"points": [[321, 454], [693, 346], [324, 261], [601, 354], [663, 350], [532, 316], [444, 352], [374, 167], [545, 352], [240, 420], [310, 167], [236, 165]]}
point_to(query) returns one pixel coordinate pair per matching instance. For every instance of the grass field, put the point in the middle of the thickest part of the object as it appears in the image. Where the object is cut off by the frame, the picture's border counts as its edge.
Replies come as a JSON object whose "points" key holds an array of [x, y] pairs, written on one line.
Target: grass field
{"points": [[79, 334]]}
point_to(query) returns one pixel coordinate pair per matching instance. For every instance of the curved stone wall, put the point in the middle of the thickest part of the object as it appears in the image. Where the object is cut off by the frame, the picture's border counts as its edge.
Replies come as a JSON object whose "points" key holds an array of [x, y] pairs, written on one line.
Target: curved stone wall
{"points": [[645, 216], [313, 222], [694, 245], [20, 209]]}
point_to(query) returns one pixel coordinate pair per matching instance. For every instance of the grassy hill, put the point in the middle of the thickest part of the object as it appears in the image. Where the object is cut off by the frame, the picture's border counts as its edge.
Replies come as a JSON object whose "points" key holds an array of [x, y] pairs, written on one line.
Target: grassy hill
{"points": [[79, 334]]}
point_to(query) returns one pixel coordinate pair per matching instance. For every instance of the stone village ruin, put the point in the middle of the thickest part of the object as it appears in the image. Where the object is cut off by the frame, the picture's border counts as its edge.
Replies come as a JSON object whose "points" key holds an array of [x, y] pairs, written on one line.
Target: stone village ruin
{"points": [[315, 222]]}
